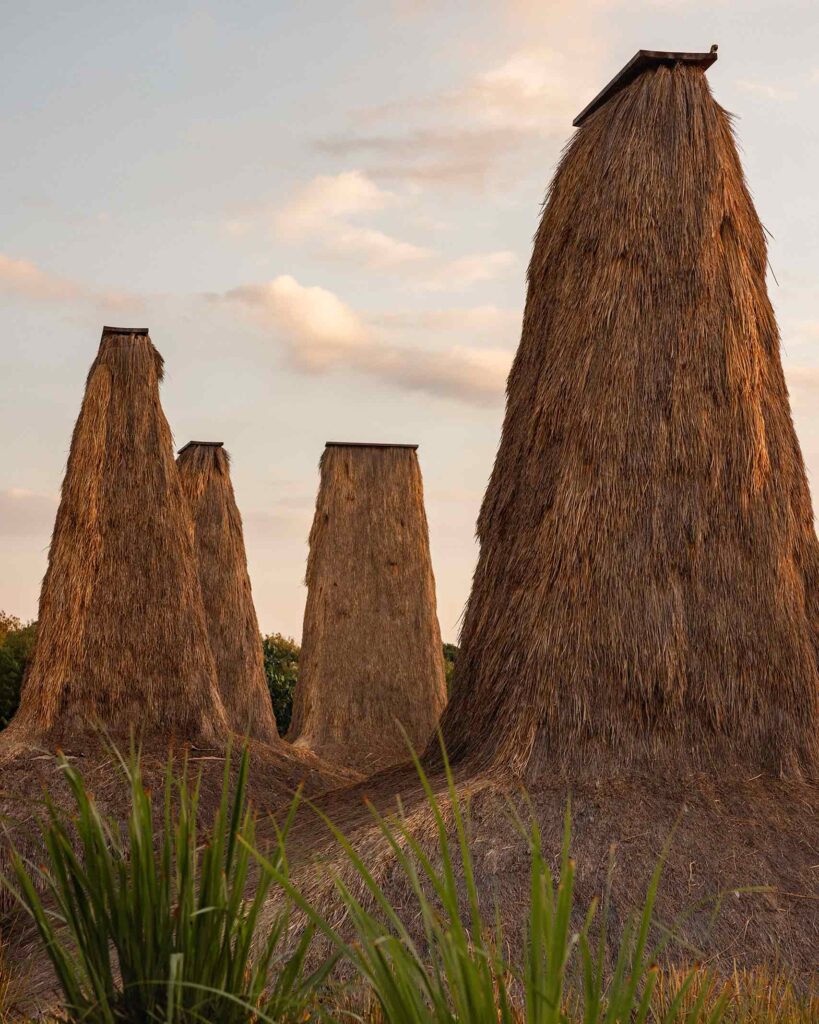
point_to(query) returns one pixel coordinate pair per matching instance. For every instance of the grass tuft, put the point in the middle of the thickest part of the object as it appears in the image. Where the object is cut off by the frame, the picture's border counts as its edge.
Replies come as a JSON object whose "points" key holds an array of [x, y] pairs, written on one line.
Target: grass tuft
{"points": [[160, 922], [156, 924]]}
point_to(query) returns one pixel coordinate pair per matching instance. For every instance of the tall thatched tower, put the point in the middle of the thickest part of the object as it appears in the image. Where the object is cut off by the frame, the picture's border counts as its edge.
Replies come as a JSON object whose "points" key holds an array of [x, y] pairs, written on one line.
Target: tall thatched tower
{"points": [[122, 639], [204, 468], [648, 584], [371, 661]]}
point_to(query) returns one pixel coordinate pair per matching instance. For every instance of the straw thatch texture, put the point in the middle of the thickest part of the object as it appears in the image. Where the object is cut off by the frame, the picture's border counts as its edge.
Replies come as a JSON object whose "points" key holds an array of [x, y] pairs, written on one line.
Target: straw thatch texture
{"points": [[642, 634], [727, 837], [371, 661], [229, 613], [122, 640], [648, 581]]}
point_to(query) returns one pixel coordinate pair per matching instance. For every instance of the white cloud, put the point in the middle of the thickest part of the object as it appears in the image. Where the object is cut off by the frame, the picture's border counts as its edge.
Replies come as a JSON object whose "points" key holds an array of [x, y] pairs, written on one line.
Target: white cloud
{"points": [[468, 270], [331, 196], [26, 280], [315, 325], [482, 321], [535, 89], [463, 135], [766, 89], [320, 212], [22, 277], [321, 333], [452, 156], [25, 513], [373, 247]]}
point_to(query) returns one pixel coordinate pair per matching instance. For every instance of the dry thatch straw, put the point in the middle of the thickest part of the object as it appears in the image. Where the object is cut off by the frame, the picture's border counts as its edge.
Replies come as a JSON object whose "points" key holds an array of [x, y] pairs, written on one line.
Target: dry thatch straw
{"points": [[371, 662], [643, 630], [204, 468], [122, 640], [648, 581]]}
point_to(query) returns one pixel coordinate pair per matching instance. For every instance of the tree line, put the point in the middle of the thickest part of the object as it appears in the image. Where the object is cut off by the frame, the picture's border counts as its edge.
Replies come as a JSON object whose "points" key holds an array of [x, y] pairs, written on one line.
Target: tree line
{"points": [[281, 666]]}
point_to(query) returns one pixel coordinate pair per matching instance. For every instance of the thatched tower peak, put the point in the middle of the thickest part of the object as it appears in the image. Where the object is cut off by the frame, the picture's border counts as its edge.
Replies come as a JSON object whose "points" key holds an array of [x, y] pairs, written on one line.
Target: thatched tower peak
{"points": [[371, 662], [648, 582], [204, 468], [122, 641]]}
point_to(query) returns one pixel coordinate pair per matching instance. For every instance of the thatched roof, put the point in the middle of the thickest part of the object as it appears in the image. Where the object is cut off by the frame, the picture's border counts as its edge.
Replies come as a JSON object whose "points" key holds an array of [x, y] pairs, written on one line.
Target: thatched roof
{"points": [[641, 638], [122, 640], [648, 581], [371, 661], [204, 468]]}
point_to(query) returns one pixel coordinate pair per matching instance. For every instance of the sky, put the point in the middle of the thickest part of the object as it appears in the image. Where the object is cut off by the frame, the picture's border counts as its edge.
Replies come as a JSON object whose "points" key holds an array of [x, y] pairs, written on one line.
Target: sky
{"points": [[323, 212]]}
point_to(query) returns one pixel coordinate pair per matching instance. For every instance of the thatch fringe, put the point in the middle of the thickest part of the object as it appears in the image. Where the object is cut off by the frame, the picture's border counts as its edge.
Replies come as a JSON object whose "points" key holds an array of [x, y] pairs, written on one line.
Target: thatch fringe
{"points": [[122, 640], [648, 581], [371, 662], [204, 469]]}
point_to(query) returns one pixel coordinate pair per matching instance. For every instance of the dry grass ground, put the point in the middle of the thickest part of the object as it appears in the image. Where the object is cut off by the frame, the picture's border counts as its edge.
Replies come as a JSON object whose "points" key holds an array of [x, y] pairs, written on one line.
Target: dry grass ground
{"points": [[754, 997]]}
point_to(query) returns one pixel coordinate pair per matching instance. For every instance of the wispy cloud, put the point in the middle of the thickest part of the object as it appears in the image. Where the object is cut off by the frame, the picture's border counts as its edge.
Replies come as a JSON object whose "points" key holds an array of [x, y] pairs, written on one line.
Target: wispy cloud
{"points": [[317, 328], [25, 513], [429, 156], [481, 321], [25, 279], [373, 248], [468, 270], [460, 136], [768, 90], [320, 334], [331, 196], [323, 212]]}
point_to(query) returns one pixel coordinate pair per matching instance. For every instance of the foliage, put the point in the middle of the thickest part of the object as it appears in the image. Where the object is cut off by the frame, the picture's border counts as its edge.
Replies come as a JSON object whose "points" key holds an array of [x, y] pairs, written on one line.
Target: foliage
{"points": [[281, 666], [159, 927], [16, 646], [450, 657], [179, 918], [461, 971]]}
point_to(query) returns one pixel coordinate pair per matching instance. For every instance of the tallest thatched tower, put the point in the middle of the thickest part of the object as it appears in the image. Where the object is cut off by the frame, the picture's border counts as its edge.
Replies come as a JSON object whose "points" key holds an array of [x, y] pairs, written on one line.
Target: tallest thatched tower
{"points": [[648, 583]]}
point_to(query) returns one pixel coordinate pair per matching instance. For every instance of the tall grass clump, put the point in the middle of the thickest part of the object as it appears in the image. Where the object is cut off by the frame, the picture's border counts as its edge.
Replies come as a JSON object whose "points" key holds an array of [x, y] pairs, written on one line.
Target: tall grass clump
{"points": [[460, 969], [156, 923], [160, 922]]}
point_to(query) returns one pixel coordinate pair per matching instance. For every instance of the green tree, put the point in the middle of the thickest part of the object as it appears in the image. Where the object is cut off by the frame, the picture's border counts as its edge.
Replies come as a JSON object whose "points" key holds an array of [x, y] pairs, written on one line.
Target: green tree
{"points": [[16, 644], [450, 657], [281, 666]]}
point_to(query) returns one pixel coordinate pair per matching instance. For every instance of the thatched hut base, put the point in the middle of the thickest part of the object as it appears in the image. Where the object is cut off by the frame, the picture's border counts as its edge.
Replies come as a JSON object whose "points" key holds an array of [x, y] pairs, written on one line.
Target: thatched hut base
{"points": [[768, 837], [276, 773]]}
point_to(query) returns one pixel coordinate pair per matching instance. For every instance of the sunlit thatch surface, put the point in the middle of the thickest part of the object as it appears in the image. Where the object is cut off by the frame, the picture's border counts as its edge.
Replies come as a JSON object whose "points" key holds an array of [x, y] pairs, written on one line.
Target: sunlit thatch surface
{"points": [[122, 639], [648, 583], [371, 666], [642, 633], [221, 561]]}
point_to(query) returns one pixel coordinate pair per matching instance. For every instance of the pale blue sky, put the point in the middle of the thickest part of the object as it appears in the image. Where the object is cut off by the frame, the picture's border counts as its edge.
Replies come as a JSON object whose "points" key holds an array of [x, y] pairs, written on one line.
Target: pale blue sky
{"points": [[323, 212]]}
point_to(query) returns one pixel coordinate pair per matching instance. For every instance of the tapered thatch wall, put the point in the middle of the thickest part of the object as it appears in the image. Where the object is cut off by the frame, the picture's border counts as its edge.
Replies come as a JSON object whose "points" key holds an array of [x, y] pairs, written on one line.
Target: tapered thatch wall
{"points": [[648, 582], [641, 638], [122, 641], [371, 661], [204, 469]]}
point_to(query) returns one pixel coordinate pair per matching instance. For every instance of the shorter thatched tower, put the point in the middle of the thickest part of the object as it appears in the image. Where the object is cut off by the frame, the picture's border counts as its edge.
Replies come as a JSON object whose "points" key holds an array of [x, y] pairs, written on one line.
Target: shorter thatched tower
{"points": [[122, 640], [371, 663], [204, 468]]}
